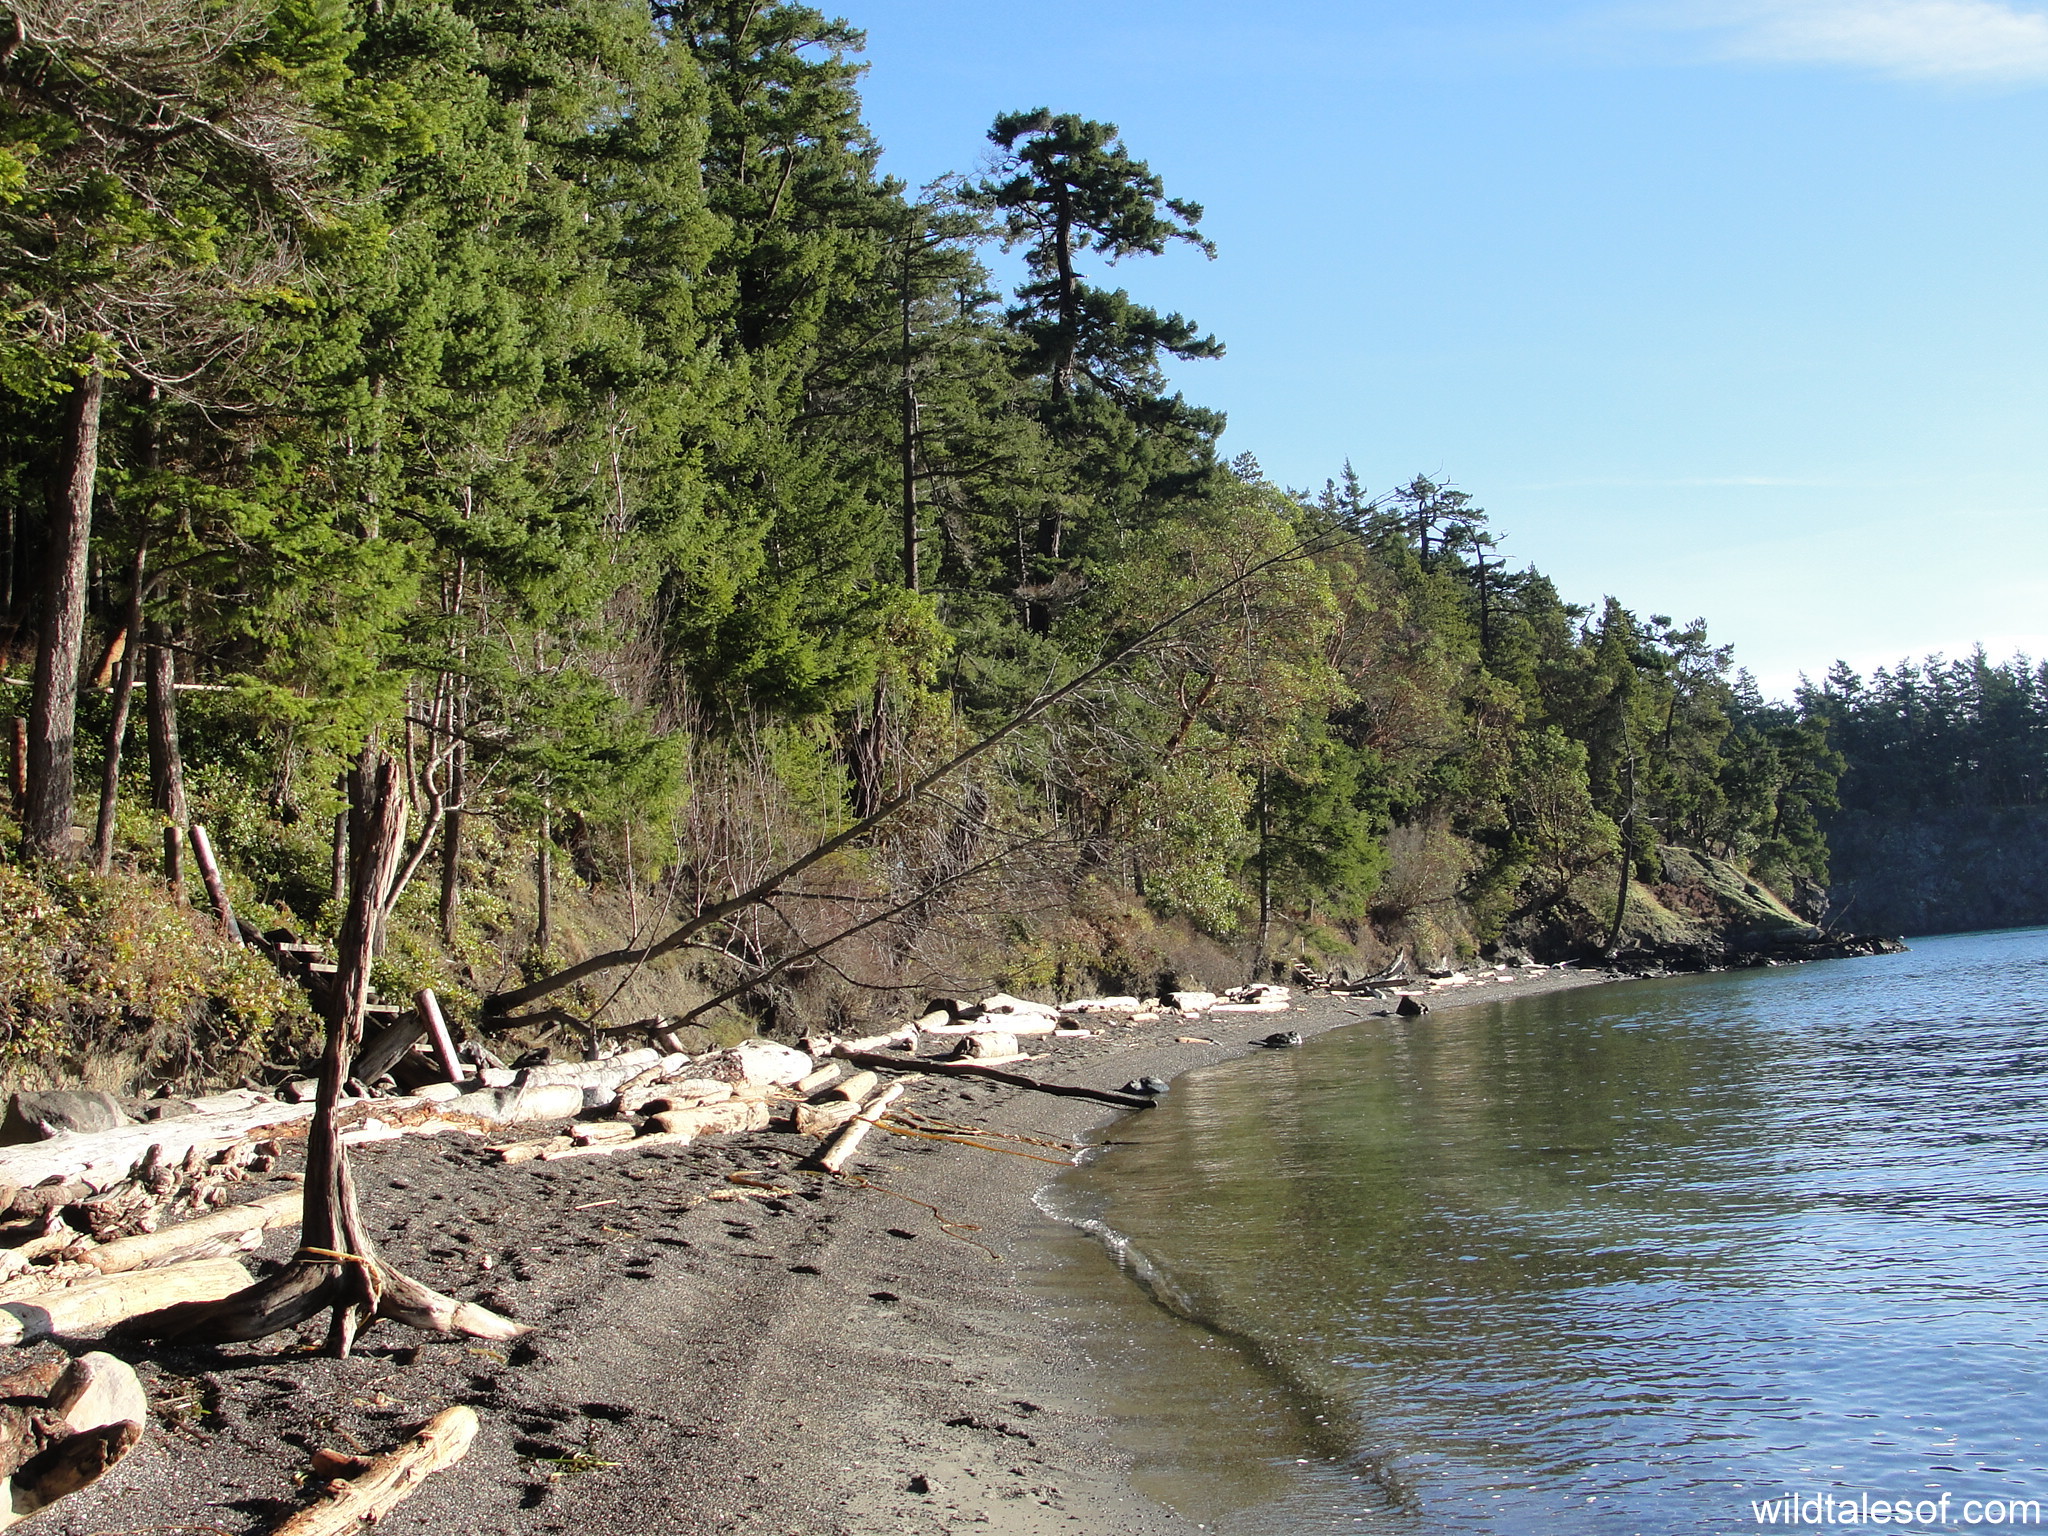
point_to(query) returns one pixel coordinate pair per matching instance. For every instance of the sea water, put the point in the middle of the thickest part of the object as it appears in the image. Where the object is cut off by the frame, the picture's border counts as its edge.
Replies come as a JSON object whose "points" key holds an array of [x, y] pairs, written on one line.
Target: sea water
{"points": [[1653, 1257]]}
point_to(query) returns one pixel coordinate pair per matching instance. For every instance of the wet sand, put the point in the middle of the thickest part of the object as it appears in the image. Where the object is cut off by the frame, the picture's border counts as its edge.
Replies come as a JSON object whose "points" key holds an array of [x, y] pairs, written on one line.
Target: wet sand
{"points": [[722, 1342]]}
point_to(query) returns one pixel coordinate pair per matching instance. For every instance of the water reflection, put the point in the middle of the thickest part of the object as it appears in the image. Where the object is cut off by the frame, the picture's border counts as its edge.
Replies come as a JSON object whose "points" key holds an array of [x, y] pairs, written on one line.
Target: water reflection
{"points": [[1616, 1259]]}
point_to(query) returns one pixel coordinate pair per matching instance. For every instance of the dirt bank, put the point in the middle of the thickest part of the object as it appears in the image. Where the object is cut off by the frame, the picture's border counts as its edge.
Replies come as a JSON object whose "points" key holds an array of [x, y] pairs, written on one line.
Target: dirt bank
{"points": [[722, 1343]]}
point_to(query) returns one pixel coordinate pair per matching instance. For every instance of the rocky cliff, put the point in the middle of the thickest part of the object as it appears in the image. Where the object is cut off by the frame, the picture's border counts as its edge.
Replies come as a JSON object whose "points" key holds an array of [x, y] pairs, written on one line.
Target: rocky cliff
{"points": [[1940, 871]]}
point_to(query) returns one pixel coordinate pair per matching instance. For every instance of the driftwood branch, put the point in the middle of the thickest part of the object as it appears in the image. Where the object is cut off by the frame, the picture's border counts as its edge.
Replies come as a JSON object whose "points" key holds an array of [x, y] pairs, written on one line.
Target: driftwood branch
{"points": [[361, 1501], [1008, 1079]]}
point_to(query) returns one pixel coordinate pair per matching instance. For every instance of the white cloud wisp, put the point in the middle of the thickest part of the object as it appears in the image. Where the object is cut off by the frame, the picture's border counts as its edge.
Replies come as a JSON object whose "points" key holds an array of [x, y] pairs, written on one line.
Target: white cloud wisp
{"points": [[1952, 39]]}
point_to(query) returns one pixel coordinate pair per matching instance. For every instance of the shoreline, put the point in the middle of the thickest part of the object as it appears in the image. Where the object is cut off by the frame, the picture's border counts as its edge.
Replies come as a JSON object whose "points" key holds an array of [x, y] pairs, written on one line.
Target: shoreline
{"points": [[710, 1355]]}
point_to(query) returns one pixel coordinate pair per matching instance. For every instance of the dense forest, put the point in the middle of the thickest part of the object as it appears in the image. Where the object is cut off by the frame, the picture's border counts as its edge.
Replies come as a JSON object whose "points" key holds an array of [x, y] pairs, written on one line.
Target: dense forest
{"points": [[551, 398]]}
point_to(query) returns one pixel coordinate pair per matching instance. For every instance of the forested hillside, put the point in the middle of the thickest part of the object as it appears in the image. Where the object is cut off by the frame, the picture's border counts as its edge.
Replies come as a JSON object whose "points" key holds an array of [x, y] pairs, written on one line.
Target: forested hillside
{"points": [[1943, 823], [551, 397]]}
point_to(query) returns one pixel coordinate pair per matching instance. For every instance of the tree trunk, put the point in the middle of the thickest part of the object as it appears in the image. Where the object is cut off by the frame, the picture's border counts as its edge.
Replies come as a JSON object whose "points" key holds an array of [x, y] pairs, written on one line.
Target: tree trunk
{"points": [[451, 844], [1265, 884], [1628, 838], [544, 879], [17, 765], [337, 1268], [53, 705], [166, 763], [117, 727], [910, 573]]}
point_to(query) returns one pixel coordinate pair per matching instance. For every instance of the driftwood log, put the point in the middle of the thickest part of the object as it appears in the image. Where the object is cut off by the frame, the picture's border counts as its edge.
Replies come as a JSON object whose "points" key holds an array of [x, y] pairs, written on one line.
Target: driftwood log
{"points": [[337, 1269], [360, 1501], [95, 1304], [196, 1238], [840, 1153], [993, 1075]]}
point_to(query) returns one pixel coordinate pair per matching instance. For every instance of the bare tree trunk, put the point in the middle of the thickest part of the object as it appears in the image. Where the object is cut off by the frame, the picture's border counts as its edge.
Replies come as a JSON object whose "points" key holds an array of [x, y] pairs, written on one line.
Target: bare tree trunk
{"points": [[1628, 837], [1265, 883], [544, 878], [910, 573], [337, 869], [117, 727], [17, 765], [166, 763], [337, 1268], [451, 844], [60, 635]]}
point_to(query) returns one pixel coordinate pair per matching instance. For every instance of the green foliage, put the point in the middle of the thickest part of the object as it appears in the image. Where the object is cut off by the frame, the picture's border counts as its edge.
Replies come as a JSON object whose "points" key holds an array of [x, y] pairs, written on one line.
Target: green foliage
{"points": [[112, 969]]}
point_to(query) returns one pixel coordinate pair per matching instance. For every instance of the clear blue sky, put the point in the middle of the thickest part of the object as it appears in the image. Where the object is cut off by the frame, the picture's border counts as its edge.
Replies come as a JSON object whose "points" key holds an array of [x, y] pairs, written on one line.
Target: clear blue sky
{"points": [[1733, 308]]}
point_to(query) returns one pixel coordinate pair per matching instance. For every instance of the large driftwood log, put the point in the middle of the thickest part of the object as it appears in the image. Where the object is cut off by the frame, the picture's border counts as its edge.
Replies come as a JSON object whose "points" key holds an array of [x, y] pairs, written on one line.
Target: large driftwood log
{"points": [[107, 1157], [94, 1304], [992, 1074], [186, 1239], [366, 1498]]}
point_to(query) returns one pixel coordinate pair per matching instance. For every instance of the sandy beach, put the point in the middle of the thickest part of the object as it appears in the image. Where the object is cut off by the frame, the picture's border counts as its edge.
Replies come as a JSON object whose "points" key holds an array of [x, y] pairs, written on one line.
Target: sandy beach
{"points": [[722, 1342]]}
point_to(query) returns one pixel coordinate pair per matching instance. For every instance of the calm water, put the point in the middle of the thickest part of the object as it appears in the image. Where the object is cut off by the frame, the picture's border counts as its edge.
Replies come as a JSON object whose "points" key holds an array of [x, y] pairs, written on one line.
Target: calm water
{"points": [[1623, 1259]]}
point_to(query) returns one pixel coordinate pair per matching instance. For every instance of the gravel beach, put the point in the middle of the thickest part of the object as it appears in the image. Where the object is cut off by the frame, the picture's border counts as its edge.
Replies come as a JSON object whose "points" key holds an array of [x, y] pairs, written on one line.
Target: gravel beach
{"points": [[722, 1342]]}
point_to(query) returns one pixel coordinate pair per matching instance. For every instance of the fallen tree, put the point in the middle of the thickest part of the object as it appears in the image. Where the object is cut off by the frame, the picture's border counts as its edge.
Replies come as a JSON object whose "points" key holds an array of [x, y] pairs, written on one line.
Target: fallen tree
{"points": [[501, 1006]]}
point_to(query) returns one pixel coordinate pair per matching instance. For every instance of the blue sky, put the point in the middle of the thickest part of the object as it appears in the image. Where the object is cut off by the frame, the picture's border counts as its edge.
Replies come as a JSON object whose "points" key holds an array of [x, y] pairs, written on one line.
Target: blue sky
{"points": [[1734, 308]]}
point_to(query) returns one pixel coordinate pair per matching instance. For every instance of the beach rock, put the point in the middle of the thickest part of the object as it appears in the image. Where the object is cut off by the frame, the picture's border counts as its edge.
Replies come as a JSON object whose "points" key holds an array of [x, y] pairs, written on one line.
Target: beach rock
{"points": [[97, 1389], [39, 1116], [1411, 1007], [595, 1098], [1190, 1001]]}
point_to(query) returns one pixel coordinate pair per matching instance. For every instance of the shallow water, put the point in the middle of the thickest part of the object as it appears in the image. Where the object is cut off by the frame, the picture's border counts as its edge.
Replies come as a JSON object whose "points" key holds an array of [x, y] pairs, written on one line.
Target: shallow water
{"points": [[1619, 1259]]}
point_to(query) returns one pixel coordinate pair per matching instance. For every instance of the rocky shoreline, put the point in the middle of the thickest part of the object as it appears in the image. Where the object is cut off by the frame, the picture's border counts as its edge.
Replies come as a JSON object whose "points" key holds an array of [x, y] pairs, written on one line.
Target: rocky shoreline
{"points": [[722, 1341]]}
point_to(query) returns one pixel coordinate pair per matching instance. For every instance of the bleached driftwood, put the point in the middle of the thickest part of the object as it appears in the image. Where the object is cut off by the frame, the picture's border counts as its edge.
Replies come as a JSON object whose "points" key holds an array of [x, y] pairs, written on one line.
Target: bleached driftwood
{"points": [[188, 1239], [361, 1501], [116, 1298], [840, 1153], [856, 1089], [107, 1157], [822, 1119], [1032, 1023]]}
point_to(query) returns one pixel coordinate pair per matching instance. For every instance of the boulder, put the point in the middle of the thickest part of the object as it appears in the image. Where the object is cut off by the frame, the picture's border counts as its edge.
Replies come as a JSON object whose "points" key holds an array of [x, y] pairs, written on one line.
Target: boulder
{"points": [[1410, 1006], [39, 1116], [97, 1389]]}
